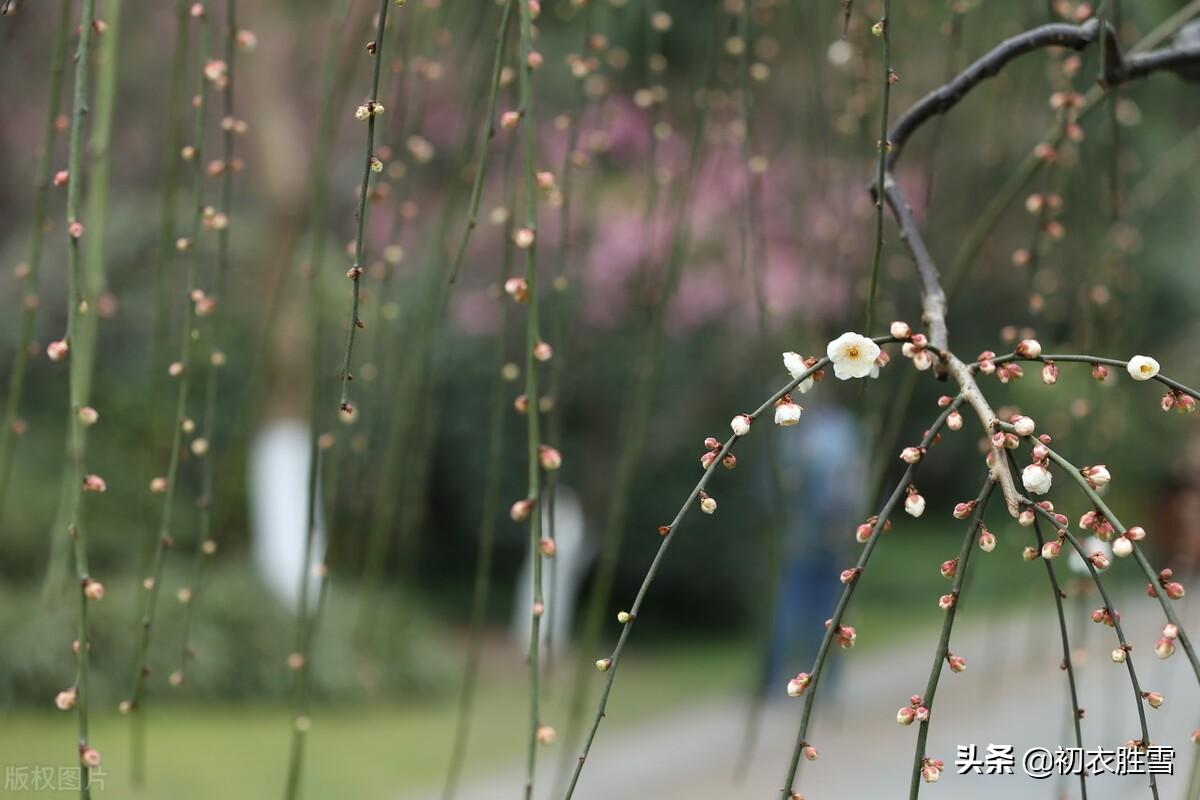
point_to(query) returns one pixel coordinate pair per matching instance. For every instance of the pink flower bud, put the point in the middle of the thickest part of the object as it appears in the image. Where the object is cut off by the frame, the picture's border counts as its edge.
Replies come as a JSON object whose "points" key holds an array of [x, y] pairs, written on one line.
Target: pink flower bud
{"points": [[955, 421], [729, 461], [534, 59], [963, 510], [1098, 476], [1135, 533], [517, 288], [542, 351], [708, 459], [987, 541], [798, 684], [946, 602], [863, 532], [1164, 648], [1170, 631], [957, 663], [740, 424], [524, 237], [1049, 373], [510, 119], [1174, 590], [900, 330], [1029, 348], [1029, 553], [94, 483], [90, 757], [914, 504], [545, 180], [58, 350], [1185, 404], [1122, 547], [1154, 699], [1099, 560], [810, 753], [906, 715], [911, 455], [848, 575], [1023, 426], [1040, 452], [93, 590], [1052, 549], [949, 568], [707, 504], [712, 443], [921, 713], [549, 458], [548, 547], [1099, 372], [65, 700], [922, 360], [520, 510]]}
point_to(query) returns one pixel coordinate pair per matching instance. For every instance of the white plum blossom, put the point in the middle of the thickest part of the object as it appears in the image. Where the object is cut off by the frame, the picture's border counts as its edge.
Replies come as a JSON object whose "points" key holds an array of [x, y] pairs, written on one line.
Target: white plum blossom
{"points": [[787, 414], [740, 424], [794, 362], [1036, 479], [852, 355], [1141, 368]]}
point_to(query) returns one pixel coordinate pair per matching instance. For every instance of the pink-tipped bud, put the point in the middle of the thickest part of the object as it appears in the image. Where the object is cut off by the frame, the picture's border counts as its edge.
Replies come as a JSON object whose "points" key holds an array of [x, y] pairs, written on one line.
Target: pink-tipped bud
{"points": [[1164, 648], [1122, 547], [1026, 518], [58, 350], [798, 684], [520, 510], [906, 715], [534, 59], [510, 119], [1119, 655], [811, 753], [914, 504], [1186, 404], [921, 713], [1174, 590], [524, 237], [1154, 699], [708, 459], [546, 735], [712, 443], [517, 288], [900, 330], [1029, 348], [94, 483], [1023, 426], [1099, 372], [1098, 476], [88, 416], [65, 700], [549, 458], [548, 547], [1170, 631], [740, 425], [949, 568], [946, 602], [911, 455], [1049, 373], [1052, 549], [543, 351], [545, 180], [955, 421], [707, 504], [1100, 560], [848, 575], [93, 590], [963, 510], [1135, 533], [987, 541], [863, 532], [957, 663], [89, 757], [1030, 553]]}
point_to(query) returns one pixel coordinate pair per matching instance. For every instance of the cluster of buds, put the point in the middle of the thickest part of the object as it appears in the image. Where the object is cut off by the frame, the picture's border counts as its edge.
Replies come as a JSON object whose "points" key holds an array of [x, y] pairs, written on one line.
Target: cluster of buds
{"points": [[787, 413], [914, 503], [916, 348], [845, 636], [369, 109], [1008, 371], [954, 421], [931, 769], [798, 684], [1098, 524], [1183, 403], [915, 711], [1101, 616], [713, 449], [863, 532], [1036, 477], [1173, 589]]}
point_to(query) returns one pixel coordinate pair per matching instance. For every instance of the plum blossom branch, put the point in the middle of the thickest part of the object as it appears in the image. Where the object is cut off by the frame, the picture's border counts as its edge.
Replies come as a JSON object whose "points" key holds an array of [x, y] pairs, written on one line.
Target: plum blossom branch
{"points": [[923, 766], [368, 111], [718, 452], [883, 29], [806, 683], [1049, 358]]}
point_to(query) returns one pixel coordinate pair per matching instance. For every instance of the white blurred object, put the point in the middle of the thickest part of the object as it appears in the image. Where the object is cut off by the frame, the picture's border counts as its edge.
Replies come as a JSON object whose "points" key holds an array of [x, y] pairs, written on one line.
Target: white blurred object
{"points": [[278, 478], [571, 558]]}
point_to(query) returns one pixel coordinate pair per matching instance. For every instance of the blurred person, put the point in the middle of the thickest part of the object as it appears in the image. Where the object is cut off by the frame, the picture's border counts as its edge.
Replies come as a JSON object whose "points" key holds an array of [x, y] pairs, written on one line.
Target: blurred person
{"points": [[823, 470]]}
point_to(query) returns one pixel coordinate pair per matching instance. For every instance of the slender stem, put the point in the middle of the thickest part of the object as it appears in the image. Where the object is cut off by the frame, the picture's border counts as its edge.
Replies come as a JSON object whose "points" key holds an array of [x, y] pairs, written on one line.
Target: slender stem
{"points": [[76, 435], [883, 146], [165, 540], [943, 647], [484, 142], [205, 545], [533, 414], [1067, 663], [839, 611], [1110, 609], [1112, 362], [29, 296], [668, 534], [356, 269]]}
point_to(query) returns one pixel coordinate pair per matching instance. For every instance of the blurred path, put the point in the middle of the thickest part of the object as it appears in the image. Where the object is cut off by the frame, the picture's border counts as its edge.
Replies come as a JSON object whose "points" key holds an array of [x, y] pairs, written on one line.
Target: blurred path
{"points": [[1019, 698]]}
